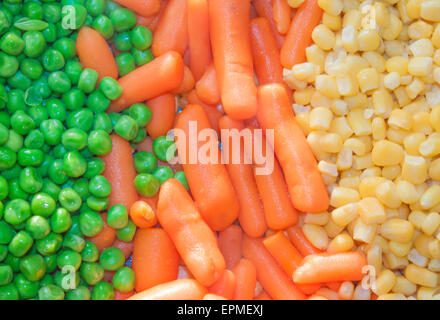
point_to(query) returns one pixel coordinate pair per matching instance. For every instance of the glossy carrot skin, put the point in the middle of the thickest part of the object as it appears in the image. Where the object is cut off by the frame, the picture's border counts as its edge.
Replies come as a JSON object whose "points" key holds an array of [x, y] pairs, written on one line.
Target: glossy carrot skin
{"points": [[210, 184], [139, 85], [300, 242], [163, 108], [144, 8], [106, 237], [155, 259], [299, 36], [152, 21], [198, 37], [230, 245], [281, 15], [94, 53], [207, 87], [171, 32], [225, 285], [273, 279], [245, 280], [182, 289], [305, 183], [120, 172], [251, 214], [142, 215], [214, 113], [264, 9], [233, 56], [188, 82], [194, 240]]}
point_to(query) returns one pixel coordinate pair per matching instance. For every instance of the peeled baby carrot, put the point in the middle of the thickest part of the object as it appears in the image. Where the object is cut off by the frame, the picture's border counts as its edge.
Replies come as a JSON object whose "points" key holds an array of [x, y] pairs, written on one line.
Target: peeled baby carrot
{"points": [[273, 279], [94, 53], [171, 32], [263, 296], [123, 295], [145, 8], [182, 289], [187, 82], [163, 108], [120, 172], [207, 87], [198, 37], [306, 186], [106, 237], [229, 243], [155, 259], [229, 23], [212, 112], [326, 267], [299, 36], [126, 247], [140, 84], [245, 280], [309, 288], [211, 296], [209, 182], [142, 215], [264, 9], [278, 208], [194, 240], [152, 201], [152, 21], [224, 286], [281, 15], [300, 242], [251, 214]]}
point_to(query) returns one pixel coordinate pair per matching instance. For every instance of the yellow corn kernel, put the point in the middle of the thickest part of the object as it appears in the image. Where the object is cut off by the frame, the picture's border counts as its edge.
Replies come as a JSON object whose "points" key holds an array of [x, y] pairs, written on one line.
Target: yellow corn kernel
{"points": [[421, 244], [416, 218], [400, 249], [384, 282], [430, 10], [392, 29], [387, 195], [394, 48], [303, 120], [347, 85], [345, 214], [363, 162], [419, 30], [364, 232], [402, 96], [341, 243], [367, 187], [378, 127], [346, 290], [400, 119], [430, 197], [315, 55], [382, 102], [339, 107], [413, 8], [323, 37], [434, 118], [320, 118], [327, 86], [370, 172], [328, 169], [396, 135], [421, 123], [375, 60], [415, 88], [391, 172], [406, 79], [392, 262], [349, 39], [425, 293], [359, 100], [333, 7], [332, 229], [374, 257], [436, 37], [333, 22], [386, 153], [356, 145], [350, 182], [412, 142], [320, 219], [316, 235], [341, 196], [295, 3], [291, 80], [371, 211], [368, 39], [398, 230], [360, 293], [430, 147], [434, 248], [418, 259], [314, 139], [434, 265], [422, 48], [431, 223], [414, 169], [331, 142], [381, 14], [434, 170], [304, 71], [392, 80], [404, 286], [420, 66], [345, 159], [407, 192], [397, 64], [392, 296], [368, 79], [304, 96], [358, 123], [421, 276]]}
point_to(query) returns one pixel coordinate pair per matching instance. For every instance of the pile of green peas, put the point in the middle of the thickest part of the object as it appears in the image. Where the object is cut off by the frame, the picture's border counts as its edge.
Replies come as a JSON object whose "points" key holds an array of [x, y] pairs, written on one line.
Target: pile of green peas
{"points": [[53, 130]]}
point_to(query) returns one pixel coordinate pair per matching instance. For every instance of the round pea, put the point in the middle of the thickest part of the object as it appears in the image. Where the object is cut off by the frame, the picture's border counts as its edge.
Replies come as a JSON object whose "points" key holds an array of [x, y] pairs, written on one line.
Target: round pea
{"points": [[53, 60], [104, 26], [80, 14], [90, 253], [126, 63], [145, 162], [74, 99], [30, 180], [80, 293], [49, 245], [8, 65], [9, 292], [126, 127], [60, 221], [66, 46], [141, 37], [8, 158], [73, 70], [52, 12], [164, 148], [97, 203], [140, 113], [56, 172], [90, 223], [110, 88], [30, 157], [146, 184], [32, 10], [117, 216], [123, 19], [6, 275], [95, 7], [99, 142], [59, 82], [27, 289], [16, 212], [52, 130], [69, 199], [103, 291], [35, 44], [74, 242], [97, 102], [162, 174], [181, 177], [74, 164], [142, 57], [124, 280], [20, 244], [43, 205], [11, 43], [74, 139], [51, 292], [99, 186], [103, 122], [123, 41], [33, 267], [88, 80], [4, 189], [112, 258], [69, 258], [91, 272], [31, 68], [38, 227], [127, 233]]}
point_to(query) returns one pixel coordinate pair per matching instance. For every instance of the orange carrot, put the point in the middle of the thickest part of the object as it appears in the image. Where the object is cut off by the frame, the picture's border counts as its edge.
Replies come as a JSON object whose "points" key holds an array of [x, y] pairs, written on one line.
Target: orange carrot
{"points": [[198, 37], [278, 208], [139, 85], [155, 259], [171, 32], [182, 289], [326, 267], [211, 296], [213, 113], [142, 215], [264, 9], [152, 21], [194, 240], [233, 56], [123, 295], [306, 186], [145, 8], [210, 184], [106, 237], [273, 279], [251, 214], [126, 247], [163, 108], [120, 172], [263, 296], [187, 82], [245, 280], [152, 201], [281, 15], [299, 36], [207, 87], [224, 286], [334, 285], [94, 53], [300, 242], [229, 243], [309, 288]]}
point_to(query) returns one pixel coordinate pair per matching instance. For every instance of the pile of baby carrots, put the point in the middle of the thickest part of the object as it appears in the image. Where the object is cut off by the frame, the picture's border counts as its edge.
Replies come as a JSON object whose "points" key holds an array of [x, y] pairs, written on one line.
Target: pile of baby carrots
{"points": [[234, 234]]}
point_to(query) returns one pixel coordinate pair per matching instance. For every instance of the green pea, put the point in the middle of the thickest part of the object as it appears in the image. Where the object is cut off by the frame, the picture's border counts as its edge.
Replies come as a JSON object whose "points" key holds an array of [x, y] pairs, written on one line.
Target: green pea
{"points": [[38, 114], [30, 180], [32, 10], [13, 262], [11, 43], [60, 221], [99, 186], [126, 63], [30, 157], [104, 26], [142, 134], [90, 253], [9, 292], [74, 242], [142, 57], [99, 142], [74, 164], [61, 31], [50, 33], [33, 141], [53, 60], [4, 190], [59, 151], [74, 139], [124, 280], [81, 119], [126, 127], [13, 6], [81, 186], [16, 98], [146, 184], [34, 43], [112, 258], [80, 293], [49, 245], [31, 68], [52, 130], [19, 81], [73, 70], [110, 88], [50, 189], [79, 13], [38, 227], [15, 191], [26, 289], [17, 211], [103, 122], [47, 279], [74, 99], [52, 12], [95, 7], [69, 258], [43, 204], [4, 22], [95, 166], [114, 117], [4, 134], [22, 123], [50, 292], [6, 275], [33, 267], [123, 19], [90, 223], [88, 80], [8, 158], [67, 279], [123, 41], [97, 203], [140, 113], [162, 174], [117, 216], [56, 109], [59, 82], [8, 65], [56, 172], [181, 177], [97, 101], [66, 46], [70, 200], [4, 116], [164, 148], [141, 37], [20, 244], [3, 252], [145, 162], [91, 272]]}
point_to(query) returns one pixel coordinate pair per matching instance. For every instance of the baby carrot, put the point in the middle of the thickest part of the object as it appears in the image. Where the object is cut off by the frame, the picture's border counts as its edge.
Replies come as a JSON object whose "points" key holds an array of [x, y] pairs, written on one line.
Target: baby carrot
{"points": [[300, 242], [224, 286], [326, 267], [106, 237], [172, 31], [334, 285], [155, 259], [207, 87], [187, 82], [273, 279], [245, 280], [251, 214], [144, 8], [309, 288], [229, 243], [142, 215], [163, 108], [264, 9], [120, 172], [299, 36], [212, 112], [198, 37], [233, 56], [263, 296], [182, 289], [306, 186], [94, 53], [151, 22], [212, 296], [209, 181], [152, 201], [281, 15], [140, 84], [126, 247], [194, 240]]}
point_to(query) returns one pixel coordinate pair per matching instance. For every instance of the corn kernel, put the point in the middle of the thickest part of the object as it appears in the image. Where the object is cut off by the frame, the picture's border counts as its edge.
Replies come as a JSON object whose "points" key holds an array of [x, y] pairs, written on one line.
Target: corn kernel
{"points": [[346, 290], [397, 64], [404, 286], [316, 56], [320, 118], [402, 96], [320, 219], [387, 195], [430, 147], [370, 172], [415, 257], [392, 296], [384, 282], [303, 121], [368, 185], [363, 232], [358, 123], [400, 249], [430, 10], [356, 146], [406, 192], [304, 71], [368, 39], [327, 86], [422, 48], [332, 229], [331, 142], [327, 168], [368, 79], [339, 107], [392, 29], [333, 22], [386, 153], [382, 102], [392, 80], [425, 293], [374, 257], [421, 123], [417, 218], [314, 141], [434, 265], [394, 48], [341, 196], [371, 211], [360, 293], [419, 29], [430, 197], [414, 169], [434, 170], [391, 172], [406, 79], [319, 100], [412, 143], [323, 37], [316, 235], [421, 276], [295, 3], [378, 127], [434, 248], [413, 8], [420, 66], [392, 262], [341, 243], [363, 162], [333, 7], [398, 230]]}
